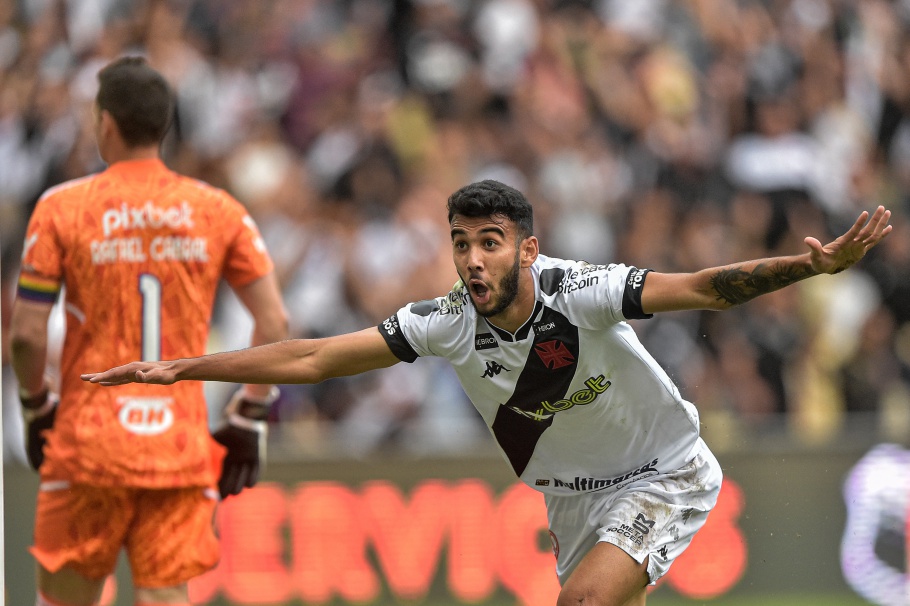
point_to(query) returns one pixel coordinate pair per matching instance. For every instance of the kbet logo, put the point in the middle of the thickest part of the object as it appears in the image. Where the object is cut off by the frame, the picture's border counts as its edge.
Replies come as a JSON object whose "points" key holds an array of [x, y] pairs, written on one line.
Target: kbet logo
{"points": [[146, 416], [594, 386], [146, 215]]}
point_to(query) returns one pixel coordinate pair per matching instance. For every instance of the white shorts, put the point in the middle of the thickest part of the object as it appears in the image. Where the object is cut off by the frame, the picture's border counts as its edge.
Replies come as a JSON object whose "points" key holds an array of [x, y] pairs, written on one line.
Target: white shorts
{"points": [[657, 516]]}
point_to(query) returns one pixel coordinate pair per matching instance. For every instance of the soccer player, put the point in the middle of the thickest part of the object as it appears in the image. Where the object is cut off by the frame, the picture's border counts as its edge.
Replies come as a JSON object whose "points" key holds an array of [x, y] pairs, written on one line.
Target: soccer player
{"points": [[580, 410], [139, 252]]}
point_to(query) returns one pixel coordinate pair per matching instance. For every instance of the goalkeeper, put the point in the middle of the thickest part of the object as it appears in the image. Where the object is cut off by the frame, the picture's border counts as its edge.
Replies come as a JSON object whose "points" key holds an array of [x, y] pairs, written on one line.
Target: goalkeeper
{"points": [[141, 251]]}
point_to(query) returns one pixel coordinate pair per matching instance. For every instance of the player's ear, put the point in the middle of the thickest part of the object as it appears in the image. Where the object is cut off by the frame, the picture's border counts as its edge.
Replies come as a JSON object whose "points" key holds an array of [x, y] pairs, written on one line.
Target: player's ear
{"points": [[108, 125], [528, 251]]}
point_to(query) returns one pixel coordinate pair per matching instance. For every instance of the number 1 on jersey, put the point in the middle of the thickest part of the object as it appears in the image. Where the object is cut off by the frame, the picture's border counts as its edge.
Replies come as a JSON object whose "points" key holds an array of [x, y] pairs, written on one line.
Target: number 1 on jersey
{"points": [[150, 289]]}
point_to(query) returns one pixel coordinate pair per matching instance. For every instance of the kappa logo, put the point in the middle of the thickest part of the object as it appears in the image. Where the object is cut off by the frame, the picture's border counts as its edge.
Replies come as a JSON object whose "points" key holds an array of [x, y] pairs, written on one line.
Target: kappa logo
{"points": [[493, 369], [687, 514], [554, 354]]}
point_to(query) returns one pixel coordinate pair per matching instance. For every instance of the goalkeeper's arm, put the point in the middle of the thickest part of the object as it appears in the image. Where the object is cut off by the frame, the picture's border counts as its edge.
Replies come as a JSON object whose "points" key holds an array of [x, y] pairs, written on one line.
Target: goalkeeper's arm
{"points": [[28, 348], [245, 428]]}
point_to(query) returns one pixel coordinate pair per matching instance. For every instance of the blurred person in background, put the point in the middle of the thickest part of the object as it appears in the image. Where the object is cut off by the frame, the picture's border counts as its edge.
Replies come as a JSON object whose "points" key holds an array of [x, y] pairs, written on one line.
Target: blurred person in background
{"points": [[542, 346], [138, 252], [628, 122]]}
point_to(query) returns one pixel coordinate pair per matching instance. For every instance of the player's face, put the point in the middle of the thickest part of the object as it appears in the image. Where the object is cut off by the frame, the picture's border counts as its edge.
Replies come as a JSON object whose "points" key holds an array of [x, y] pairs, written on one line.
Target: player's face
{"points": [[487, 258]]}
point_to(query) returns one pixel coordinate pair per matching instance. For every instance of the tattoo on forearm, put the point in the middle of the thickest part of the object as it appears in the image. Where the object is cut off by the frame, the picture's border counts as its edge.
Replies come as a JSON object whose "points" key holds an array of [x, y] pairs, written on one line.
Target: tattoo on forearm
{"points": [[735, 285]]}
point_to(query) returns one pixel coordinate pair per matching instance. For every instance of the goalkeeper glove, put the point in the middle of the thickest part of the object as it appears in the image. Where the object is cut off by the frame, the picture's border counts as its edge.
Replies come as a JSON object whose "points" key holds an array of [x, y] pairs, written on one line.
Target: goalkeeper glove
{"points": [[244, 436], [38, 412]]}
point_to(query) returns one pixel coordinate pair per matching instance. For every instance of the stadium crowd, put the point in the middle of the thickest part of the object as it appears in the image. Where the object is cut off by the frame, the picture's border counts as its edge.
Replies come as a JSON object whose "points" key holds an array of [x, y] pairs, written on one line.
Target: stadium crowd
{"points": [[667, 134]]}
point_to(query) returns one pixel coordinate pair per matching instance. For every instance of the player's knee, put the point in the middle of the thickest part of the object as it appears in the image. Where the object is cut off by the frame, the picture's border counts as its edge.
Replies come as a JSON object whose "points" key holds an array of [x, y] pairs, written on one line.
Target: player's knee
{"points": [[570, 596], [596, 596]]}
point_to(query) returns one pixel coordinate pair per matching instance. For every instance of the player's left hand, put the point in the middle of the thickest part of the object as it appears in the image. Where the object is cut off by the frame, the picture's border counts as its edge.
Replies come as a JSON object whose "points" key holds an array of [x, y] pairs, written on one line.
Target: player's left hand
{"points": [[240, 468], [846, 250], [244, 436], [39, 413]]}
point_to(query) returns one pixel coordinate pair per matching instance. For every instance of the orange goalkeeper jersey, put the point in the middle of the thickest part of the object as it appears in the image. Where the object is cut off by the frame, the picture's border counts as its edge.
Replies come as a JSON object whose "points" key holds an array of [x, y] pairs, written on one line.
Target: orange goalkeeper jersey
{"points": [[139, 251]]}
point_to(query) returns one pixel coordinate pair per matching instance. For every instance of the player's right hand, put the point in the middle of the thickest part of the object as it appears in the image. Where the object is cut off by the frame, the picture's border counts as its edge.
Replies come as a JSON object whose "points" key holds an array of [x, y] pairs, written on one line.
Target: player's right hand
{"points": [[39, 413], [159, 373]]}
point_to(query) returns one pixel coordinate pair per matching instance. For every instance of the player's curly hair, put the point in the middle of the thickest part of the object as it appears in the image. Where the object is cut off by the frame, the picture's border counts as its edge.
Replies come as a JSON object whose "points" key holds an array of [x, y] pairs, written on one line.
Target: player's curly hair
{"points": [[138, 98], [488, 198]]}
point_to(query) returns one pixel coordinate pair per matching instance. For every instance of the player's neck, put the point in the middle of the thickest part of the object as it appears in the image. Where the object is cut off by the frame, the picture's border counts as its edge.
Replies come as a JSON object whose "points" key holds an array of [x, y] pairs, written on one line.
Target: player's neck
{"points": [[126, 154]]}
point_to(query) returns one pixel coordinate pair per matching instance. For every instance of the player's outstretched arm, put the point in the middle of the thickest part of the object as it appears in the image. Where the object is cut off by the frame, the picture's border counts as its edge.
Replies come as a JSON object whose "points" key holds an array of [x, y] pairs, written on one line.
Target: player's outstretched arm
{"points": [[285, 362], [729, 285]]}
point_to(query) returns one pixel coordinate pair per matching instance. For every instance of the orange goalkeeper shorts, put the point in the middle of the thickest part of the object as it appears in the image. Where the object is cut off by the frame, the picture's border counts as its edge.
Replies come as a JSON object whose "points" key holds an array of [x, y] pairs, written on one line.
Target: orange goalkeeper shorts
{"points": [[168, 534]]}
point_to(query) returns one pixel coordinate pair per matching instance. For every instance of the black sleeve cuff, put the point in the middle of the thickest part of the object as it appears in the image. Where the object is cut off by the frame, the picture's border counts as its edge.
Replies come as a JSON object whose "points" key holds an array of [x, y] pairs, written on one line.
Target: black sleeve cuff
{"points": [[631, 296], [394, 338]]}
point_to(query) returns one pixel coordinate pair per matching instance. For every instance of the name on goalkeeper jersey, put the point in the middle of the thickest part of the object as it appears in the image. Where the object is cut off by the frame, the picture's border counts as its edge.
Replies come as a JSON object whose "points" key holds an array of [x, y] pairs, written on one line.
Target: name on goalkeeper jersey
{"points": [[185, 249]]}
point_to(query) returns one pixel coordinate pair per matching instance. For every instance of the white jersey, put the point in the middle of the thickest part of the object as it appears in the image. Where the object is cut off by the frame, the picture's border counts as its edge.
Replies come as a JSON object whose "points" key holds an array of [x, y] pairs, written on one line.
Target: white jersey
{"points": [[574, 400]]}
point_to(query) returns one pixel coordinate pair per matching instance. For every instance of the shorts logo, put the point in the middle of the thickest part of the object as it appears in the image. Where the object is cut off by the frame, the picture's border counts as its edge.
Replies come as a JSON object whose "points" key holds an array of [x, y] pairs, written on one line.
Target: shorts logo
{"points": [[636, 532], [643, 524], [146, 416], [554, 354]]}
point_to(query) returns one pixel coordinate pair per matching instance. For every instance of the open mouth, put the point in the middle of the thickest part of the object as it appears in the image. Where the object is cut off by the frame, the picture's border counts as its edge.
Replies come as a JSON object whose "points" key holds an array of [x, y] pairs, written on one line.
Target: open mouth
{"points": [[480, 291]]}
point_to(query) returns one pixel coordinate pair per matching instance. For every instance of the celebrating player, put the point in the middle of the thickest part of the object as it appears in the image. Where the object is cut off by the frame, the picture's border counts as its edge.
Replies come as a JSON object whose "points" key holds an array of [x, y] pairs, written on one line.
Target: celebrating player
{"points": [[580, 410], [140, 251]]}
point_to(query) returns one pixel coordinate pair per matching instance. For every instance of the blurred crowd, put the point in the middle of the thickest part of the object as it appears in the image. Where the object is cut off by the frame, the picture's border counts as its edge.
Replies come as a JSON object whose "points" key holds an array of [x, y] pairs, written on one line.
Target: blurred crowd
{"points": [[667, 134]]}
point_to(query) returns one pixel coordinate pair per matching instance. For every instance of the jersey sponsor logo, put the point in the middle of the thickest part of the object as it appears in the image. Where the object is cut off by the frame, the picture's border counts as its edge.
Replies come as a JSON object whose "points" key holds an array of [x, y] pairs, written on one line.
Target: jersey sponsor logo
{"points": [[542, 327], [453, 303], [579, 484], [569, 285], [146, 416], [147, 215], [594, 387], [493, 369], [554, 354], [541, 482], [590, 268], [390, 325], [485, 341]]}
